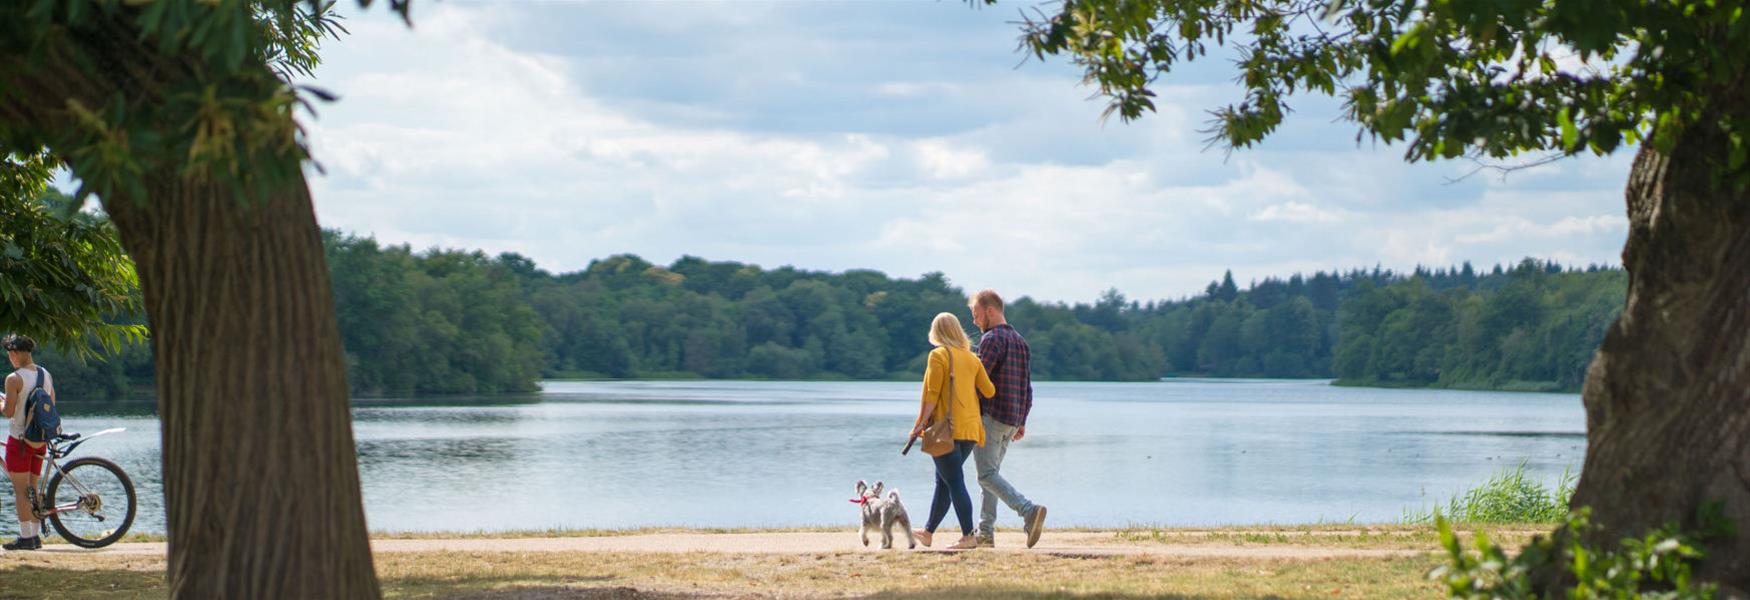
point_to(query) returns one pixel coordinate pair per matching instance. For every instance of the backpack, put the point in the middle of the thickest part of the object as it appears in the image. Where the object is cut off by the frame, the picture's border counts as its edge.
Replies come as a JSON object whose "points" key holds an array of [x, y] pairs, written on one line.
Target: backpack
{"points": [[42, 421]]}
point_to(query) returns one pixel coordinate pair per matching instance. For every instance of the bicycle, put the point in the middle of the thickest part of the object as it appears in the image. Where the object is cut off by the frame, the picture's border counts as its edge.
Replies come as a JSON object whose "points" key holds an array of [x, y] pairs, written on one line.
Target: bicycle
{"points": [[99, 491]]}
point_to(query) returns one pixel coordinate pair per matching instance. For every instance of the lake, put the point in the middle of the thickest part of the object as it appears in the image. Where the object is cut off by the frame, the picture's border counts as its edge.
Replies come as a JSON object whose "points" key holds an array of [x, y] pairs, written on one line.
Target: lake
{"points": [[775, 454]]}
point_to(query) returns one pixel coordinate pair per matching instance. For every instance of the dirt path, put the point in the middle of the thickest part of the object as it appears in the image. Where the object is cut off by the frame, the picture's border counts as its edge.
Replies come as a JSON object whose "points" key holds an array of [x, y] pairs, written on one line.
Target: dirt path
{"points": [[1077, 543]]}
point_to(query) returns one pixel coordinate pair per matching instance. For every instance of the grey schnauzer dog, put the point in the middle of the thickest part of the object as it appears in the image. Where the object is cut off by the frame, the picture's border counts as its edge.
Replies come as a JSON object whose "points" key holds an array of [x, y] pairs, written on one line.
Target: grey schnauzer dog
{"points": [[883, 514]]}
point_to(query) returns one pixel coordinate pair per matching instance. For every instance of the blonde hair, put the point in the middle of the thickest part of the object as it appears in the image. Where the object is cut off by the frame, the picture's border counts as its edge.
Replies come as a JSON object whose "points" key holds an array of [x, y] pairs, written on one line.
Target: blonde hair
{"points": [[946, 331]]}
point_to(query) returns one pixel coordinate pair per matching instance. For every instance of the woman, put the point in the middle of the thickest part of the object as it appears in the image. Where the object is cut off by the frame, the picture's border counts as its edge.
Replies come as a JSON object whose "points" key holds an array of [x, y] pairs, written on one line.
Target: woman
{"points": [[953, 348]]}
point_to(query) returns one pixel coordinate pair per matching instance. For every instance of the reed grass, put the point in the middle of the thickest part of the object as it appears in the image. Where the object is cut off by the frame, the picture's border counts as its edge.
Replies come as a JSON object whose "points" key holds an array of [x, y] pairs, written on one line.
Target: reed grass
{"points": [[1510, 496]]}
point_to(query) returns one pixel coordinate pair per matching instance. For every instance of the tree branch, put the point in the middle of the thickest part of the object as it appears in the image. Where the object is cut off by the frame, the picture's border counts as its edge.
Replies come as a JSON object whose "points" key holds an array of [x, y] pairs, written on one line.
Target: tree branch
{"points": [[1504, 169]]}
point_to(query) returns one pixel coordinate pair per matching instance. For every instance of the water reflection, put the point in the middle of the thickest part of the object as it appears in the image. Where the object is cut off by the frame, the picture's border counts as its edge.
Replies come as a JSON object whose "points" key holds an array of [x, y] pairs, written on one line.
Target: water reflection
{"points": [[727, 454]]}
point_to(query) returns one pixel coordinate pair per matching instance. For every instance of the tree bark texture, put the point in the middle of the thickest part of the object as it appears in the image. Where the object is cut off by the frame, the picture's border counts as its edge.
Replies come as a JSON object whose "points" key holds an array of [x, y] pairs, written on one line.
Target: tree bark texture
{"points": [[260, 471], [261, 477], [1668, 395]]}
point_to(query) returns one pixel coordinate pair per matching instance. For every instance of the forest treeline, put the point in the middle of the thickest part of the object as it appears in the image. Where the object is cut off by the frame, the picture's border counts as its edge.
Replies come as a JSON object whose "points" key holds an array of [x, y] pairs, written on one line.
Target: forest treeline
{"points": [[448, 321]]}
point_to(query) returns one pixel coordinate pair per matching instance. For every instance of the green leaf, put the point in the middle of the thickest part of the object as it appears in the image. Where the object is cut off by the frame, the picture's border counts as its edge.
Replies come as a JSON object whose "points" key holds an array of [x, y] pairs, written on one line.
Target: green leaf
{"points": [[1582, 562], [1737, 153], [1331, 10], [1570, 133]]}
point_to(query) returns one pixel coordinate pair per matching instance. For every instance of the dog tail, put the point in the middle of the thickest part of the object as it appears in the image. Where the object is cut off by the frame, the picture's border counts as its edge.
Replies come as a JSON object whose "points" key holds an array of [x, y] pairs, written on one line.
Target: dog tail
{"points": [[893, 495]]}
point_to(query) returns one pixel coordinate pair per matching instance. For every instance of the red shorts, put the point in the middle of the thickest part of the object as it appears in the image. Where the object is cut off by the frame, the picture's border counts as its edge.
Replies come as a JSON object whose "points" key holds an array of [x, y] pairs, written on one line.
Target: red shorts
{"points": [[22, 457]]}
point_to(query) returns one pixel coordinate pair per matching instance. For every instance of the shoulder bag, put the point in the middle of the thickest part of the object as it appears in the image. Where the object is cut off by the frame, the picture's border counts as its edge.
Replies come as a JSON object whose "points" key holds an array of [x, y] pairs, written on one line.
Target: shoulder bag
{"points": [[939, 434]]}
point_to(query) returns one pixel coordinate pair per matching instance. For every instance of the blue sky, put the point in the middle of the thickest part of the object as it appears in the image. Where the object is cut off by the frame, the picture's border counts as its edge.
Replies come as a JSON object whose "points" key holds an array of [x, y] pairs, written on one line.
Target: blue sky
{"points": [[902, 136]]}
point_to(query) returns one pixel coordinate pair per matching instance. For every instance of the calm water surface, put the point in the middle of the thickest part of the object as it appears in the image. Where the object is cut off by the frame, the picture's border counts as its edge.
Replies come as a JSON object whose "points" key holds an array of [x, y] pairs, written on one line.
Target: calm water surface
{"points": [[770, 454]]}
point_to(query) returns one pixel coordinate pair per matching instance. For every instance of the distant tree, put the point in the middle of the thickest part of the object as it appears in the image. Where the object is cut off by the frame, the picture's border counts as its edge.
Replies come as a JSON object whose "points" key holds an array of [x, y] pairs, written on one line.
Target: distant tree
{"points": [[1107, 312], [1323, 290], [780, 362], [1221, 350], [1268, 294], [1293, 349], [1228, 291], [405, 317]]}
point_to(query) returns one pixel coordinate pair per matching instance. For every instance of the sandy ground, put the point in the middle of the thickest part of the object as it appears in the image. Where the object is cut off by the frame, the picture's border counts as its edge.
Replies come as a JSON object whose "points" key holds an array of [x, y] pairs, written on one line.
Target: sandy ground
{"points": [[1078, 543]]}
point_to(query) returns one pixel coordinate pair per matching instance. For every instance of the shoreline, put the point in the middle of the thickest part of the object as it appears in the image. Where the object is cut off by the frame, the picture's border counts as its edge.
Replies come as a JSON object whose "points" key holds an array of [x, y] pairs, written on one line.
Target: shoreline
{"points": [[149, 399]]}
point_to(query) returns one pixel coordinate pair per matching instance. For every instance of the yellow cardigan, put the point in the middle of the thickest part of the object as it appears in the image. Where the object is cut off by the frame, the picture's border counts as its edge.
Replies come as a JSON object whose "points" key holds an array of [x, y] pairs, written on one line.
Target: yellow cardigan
{"points": [[969, 376]]}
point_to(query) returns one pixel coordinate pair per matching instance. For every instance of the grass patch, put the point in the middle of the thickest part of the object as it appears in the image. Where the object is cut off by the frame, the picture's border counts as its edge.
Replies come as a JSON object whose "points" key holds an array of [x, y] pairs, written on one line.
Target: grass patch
{"points": [[1517, 385], [885, 576], [1507, 497], [895, 575], [1386, 537]]}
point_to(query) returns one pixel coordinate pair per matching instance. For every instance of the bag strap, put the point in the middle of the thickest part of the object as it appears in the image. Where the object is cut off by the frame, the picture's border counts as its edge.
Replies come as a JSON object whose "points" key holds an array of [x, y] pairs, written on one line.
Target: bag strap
{"points": [[949, 391], [29, 410]]}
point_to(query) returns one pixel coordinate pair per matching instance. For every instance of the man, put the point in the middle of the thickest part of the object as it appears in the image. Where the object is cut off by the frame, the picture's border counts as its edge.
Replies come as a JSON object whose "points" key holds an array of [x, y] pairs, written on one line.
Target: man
{"points": [[1006, 359], [24, 461]]}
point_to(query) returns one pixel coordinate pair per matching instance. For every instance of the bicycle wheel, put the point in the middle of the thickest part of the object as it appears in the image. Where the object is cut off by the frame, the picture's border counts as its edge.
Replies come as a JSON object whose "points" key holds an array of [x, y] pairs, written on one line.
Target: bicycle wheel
{"points": [[97, 506]]}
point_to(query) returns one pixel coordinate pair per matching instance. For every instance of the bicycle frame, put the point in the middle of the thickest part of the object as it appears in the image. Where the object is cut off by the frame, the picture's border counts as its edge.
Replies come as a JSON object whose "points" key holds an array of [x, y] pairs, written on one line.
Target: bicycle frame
{"points": [[57, 450]]}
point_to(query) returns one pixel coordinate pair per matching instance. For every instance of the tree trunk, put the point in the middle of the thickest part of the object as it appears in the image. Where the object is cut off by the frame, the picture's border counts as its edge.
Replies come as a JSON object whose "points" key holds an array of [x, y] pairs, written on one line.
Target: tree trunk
{"points": [[261, 482], [1668, 395], [260, 472]]}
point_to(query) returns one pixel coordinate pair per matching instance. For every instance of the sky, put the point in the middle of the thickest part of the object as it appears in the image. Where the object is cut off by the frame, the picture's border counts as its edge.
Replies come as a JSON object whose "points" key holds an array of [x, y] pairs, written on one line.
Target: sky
{"points": [[907, 137]]}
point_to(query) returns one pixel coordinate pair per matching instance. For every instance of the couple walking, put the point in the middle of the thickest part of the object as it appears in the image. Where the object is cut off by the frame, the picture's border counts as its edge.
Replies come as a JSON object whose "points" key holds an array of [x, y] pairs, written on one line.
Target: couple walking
{"points": [[983, 423]]}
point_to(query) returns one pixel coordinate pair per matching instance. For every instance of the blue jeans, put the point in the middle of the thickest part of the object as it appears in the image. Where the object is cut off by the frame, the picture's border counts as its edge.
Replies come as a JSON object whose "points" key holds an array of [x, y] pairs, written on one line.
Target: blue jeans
{"points": [[990, 460], [951, 488]]}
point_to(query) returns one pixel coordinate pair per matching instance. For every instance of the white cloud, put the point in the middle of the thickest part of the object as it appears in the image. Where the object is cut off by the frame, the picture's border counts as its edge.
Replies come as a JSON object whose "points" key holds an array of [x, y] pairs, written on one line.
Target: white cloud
{"points": [[1509, 228], [1589, 225], [940, 159], [1295, 212], [1409, 247], [912, 89], [457, 133]]}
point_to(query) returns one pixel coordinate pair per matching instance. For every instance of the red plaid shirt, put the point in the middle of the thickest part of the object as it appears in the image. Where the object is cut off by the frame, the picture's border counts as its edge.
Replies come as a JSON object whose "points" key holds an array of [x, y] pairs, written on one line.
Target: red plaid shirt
{"points": [[1006, 359]]}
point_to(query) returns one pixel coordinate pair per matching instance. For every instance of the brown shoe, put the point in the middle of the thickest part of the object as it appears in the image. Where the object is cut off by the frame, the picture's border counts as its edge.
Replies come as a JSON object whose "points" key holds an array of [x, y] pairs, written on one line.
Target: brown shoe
{"points": [[966, 542], [922, 536], [987, 540], [1035, 524]]}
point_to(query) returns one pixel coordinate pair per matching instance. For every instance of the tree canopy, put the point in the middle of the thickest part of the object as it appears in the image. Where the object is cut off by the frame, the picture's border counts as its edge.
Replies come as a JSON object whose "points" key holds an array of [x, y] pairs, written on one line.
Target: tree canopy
{"points": [[1453, 77], [63, 274], [220, 118]]}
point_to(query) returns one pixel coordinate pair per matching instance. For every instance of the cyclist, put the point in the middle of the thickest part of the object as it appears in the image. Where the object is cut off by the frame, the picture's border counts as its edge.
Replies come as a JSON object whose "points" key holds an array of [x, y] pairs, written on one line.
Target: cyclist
{"points": [[24, 460]]}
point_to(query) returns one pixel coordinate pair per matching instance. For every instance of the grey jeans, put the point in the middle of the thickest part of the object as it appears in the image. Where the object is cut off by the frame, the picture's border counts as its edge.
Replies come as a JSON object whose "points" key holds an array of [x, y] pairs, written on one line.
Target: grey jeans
{"points": [[989, 459]]}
